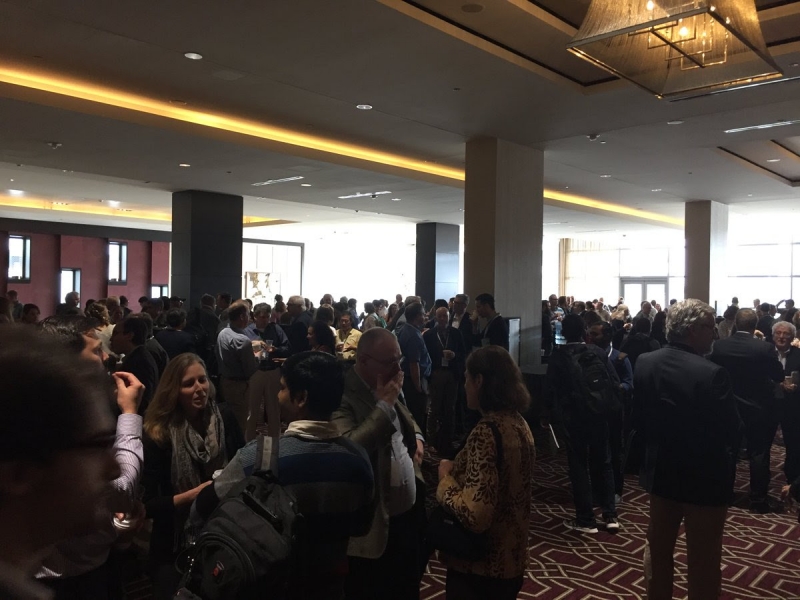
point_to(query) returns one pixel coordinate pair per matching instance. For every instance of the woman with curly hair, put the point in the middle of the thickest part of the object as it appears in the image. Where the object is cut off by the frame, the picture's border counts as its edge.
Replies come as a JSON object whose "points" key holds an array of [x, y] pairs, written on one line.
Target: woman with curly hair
{"points": [[187, 437], [488, 485]]}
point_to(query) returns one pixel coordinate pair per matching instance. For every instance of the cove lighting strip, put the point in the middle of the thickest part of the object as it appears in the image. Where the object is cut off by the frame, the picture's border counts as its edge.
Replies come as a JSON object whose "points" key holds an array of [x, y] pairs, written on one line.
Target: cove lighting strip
{"points": [[91, 92], [95, 93], [107, 211]]}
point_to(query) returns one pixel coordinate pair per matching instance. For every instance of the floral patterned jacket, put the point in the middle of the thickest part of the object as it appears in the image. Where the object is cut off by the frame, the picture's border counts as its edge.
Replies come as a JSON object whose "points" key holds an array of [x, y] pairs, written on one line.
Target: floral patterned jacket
{"points": [[485, 498]]}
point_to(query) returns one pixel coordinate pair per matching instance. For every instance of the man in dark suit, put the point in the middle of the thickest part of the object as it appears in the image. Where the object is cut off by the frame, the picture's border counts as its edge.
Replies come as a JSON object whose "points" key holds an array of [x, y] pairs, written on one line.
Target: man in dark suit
{"points": [[788, 396], [765, 321], [754, 370], [495, 332], [174, 339], [301, 321], [448, 359], [203, 323], [129, 338], [690, 431]]}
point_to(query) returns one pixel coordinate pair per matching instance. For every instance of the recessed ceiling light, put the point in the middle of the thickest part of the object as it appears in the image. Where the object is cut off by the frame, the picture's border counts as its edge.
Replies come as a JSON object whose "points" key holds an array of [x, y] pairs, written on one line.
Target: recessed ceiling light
{"points": [[749, 195], [305, 185], [795, 65], [656, 190], [675, 122], [603, 142], [773, 160], [763, 126], [113, 203], [364, 106], [193, 55], [566, 187], [605, 176], [363, 195], [273, 181], [395, 199], [12, 180], [16, 192], [184, 165]]}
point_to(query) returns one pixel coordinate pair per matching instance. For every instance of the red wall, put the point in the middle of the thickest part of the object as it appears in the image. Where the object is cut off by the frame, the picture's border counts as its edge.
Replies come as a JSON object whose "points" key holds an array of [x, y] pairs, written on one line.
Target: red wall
{"points": [[148, 262], [160, 264]]}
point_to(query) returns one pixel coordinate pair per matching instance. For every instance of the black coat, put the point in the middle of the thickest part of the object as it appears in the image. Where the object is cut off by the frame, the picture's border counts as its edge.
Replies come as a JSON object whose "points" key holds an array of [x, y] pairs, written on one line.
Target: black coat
{"points": [[175, 342], [140, 362], [453, 341], [691, 426], [754, 369], [297, 332]]}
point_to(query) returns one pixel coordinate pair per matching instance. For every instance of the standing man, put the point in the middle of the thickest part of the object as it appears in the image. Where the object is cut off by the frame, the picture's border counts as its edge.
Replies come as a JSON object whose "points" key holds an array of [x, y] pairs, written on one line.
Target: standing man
{"points": [[202, 323], [347, 337], [445, 345], [129, 338], [301, 321], [389, 560], [71, 305], [754, 370], [461, 321], [788, 395], [56, 453], [570, 402], [417, 364], [690, 434], [237, 362], [495, 332]]}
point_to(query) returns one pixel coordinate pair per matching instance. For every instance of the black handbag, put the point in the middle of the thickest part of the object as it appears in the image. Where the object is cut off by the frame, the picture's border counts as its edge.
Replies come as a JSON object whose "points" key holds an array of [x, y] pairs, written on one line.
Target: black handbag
{"points": [[445, 531]]}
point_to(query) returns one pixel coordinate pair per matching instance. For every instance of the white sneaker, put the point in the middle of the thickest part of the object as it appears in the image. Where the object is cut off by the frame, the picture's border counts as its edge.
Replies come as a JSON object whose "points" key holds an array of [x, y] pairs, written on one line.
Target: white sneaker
{"points": [[612, 525], [573, 524]]}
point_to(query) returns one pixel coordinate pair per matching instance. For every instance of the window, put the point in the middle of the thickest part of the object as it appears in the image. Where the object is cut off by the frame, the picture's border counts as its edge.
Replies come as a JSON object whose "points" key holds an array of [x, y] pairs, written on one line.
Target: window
{"points": [[117, 262], [158, 290], [70, 281], [19, 258]]}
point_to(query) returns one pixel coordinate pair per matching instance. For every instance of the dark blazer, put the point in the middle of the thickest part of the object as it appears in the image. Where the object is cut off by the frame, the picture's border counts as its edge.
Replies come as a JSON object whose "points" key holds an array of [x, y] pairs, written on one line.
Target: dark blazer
{"points": [[691, 426], [297, 332], [496, 332], [175, 342], [465, 327], [764, 325], [158, 491], [454, 341], [141, 363], [753, 367]]}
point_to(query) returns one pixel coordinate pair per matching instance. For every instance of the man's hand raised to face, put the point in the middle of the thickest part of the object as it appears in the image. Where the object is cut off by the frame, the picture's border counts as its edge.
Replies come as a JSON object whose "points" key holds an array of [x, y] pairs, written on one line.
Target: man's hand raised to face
{"points": [[389, 391], [129, 392]]}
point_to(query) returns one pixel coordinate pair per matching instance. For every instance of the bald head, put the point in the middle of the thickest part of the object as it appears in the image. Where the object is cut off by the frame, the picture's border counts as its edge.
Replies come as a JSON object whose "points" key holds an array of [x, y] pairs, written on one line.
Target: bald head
{"points": [[442, 318], [377, 356]]}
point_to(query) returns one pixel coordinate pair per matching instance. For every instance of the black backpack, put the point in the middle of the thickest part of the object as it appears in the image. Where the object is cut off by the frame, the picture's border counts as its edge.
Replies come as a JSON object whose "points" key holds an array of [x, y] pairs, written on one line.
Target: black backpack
{"points": [[249, 546], [594, 392]]}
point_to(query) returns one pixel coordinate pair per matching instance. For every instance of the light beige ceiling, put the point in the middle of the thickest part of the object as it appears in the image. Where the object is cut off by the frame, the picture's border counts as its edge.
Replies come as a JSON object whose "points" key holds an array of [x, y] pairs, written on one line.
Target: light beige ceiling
{"points": [[305, 64]]}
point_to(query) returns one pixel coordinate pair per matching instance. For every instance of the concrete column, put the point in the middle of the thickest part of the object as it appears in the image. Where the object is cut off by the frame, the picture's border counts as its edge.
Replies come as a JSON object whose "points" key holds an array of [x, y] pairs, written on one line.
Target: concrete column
{"points": [[503, 203], [706, 231], [206, 244], [437, 261]]}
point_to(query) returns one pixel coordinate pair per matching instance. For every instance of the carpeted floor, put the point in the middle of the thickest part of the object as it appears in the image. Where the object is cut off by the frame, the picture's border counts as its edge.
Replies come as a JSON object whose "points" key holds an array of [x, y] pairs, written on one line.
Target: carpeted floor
{"points": [[761, 554]]}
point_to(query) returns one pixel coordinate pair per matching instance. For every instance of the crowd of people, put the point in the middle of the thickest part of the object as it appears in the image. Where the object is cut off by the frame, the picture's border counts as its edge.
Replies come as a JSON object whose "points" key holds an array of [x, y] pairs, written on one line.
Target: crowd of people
{"points": [[678, 395], [121, 424]]}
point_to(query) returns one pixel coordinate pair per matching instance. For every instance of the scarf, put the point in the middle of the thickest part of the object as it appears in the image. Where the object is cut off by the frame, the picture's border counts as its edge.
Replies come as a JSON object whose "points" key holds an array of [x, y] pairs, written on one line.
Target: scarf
{"points": [[195, 458], [314, 430]]}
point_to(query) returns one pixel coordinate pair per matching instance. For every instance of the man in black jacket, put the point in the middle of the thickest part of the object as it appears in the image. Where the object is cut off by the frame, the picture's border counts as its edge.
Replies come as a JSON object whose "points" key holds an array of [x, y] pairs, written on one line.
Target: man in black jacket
{"points": [[788, 396], [495, 332], [754, 370], [129, 338], [691, 429]]}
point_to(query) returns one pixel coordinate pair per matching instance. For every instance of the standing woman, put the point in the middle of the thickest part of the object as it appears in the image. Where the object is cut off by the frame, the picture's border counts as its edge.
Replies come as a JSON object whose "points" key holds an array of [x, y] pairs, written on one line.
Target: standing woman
{"points": [[187, 437], [486, 496]]}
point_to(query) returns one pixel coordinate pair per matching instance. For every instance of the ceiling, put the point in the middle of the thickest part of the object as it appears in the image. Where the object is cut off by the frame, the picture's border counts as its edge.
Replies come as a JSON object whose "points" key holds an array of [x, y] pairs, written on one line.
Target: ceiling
{"points": [[436, 78]]}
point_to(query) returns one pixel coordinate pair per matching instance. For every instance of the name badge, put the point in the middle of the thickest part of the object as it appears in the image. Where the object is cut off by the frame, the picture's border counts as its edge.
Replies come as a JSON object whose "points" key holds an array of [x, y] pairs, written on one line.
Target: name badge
{"points": [[484, 342], [445, 362]]}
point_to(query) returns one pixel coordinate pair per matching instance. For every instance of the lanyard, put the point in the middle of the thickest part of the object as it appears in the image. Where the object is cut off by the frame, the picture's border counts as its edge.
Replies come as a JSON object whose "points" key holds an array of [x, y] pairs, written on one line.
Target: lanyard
{"points": [[446, 338], [489, 324]]}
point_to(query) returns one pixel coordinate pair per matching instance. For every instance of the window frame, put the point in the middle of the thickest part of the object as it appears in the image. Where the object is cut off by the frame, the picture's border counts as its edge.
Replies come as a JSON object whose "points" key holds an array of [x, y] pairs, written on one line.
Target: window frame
{"points": [[76, 281], [161, 287], [26, 259], [123, 263]]}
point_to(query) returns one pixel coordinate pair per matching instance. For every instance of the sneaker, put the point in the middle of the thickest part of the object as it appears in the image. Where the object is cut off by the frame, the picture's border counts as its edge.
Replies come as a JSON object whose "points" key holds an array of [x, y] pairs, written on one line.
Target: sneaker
{"points": [[612, 525], [573, 524], [617, 499]]}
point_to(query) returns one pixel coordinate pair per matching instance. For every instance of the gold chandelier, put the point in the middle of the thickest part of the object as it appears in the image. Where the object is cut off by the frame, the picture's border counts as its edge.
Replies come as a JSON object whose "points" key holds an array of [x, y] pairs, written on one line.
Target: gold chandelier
{"points": [[676, 47]]}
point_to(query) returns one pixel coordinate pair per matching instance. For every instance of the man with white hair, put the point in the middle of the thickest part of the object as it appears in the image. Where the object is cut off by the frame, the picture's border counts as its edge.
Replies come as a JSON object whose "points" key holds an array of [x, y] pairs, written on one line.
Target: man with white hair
{"points": [[301, 321], [788, 396], [691, 429]]}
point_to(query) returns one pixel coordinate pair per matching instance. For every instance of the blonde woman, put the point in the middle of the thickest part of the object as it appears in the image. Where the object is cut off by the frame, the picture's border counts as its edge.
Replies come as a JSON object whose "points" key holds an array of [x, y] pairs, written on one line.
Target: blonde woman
{"points": [[97, 310], [187, 437], [620, 324]]}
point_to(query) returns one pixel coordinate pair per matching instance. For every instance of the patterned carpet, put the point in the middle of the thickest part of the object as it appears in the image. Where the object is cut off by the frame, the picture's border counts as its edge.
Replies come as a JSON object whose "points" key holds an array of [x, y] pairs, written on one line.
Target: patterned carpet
{"points": [[761, 554]]}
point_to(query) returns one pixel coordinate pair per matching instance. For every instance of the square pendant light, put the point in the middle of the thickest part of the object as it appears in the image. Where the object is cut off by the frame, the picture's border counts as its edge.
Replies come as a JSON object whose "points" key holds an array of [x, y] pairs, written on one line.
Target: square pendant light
{"points": [[676, 47]]}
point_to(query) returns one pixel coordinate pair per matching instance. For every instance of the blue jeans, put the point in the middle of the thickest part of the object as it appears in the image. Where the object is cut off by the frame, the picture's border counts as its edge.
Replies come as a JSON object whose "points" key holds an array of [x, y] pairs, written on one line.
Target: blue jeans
{"points": [[587, 448]]}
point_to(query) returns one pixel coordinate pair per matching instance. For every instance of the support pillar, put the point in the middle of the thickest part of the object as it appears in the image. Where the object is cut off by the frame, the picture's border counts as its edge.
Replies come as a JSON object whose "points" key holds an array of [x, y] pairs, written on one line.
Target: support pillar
{"points": [[706, 231], [437, 261], [206, 244], [503, 204]]}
